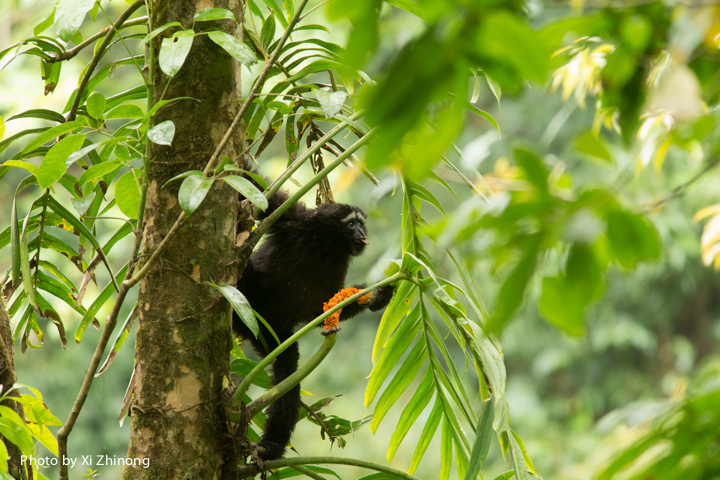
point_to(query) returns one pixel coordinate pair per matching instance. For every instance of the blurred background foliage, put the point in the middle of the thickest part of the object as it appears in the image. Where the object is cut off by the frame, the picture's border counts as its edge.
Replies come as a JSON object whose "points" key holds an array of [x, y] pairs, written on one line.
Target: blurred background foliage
{"points": [[612, 361]]}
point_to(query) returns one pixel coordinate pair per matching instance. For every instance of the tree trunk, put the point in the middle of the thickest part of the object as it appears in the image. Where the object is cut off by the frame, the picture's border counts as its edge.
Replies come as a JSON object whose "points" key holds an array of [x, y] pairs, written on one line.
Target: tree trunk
{"points": [[184, 328], [7, 380]]}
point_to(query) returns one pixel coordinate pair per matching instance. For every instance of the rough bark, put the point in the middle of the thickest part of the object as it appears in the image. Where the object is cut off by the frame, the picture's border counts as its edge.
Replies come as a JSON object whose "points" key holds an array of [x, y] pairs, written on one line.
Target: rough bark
{"points": [[184, 332], [7, 380]]}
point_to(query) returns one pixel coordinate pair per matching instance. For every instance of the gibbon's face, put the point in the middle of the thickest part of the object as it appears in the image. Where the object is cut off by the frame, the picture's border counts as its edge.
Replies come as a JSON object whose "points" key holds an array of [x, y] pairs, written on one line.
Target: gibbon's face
{"points": [[352, 220]]}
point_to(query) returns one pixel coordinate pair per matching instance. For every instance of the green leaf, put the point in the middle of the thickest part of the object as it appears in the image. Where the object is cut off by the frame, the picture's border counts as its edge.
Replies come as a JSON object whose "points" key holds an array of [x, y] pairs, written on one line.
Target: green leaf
{"points": [[632, 238], [331, 102], [127, 193], [483, 435], [50, 134], [213, 14], [125, 111], [2, 127], [412, 411], [238, 302], [54, 165], [243, 366], [44, 19], [192, 192], [25, 270], [234, 47], [158, 31], [96, 105], [15, 242], [396, 310], [247, 190], [30, 167], [427, 434], [513, 288], [162, 133], [97, 171], [267, 34], [41, 113], [68, 217], [174, 50], [69, 15], [591, 145], [15, 429], [397, 346], [445, 449], [400, 382], [565, 297]]}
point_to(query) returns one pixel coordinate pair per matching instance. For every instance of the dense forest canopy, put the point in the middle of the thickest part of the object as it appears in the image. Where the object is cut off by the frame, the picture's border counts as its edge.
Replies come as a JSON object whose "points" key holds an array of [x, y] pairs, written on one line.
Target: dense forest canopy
{"points": [[541, 183]]}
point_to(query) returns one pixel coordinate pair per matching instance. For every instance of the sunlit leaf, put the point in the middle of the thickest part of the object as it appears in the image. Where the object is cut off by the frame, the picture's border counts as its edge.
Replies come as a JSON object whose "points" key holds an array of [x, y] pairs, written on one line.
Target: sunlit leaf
{"points": [[127, 193], [96, 105], [54, 164], [69, 15]]}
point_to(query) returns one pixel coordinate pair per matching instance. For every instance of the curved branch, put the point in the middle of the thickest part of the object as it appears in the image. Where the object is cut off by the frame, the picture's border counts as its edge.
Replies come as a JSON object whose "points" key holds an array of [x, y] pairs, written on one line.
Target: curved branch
{"points": [[246, 471], [286, 385]]}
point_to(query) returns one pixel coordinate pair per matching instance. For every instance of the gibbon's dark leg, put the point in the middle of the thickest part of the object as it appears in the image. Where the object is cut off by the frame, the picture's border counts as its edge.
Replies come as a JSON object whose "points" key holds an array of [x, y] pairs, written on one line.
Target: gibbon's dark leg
{"points": [[282, 415]]}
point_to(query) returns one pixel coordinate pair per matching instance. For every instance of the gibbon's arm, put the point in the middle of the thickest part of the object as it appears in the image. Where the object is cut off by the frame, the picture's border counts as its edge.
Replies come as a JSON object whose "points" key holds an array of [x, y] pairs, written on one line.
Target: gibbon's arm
{"points": [[373, 301]]}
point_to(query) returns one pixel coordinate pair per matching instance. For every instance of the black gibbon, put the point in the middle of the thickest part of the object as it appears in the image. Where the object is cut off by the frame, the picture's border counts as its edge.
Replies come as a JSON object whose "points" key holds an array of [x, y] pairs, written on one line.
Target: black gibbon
{"points": [[301, 264]]}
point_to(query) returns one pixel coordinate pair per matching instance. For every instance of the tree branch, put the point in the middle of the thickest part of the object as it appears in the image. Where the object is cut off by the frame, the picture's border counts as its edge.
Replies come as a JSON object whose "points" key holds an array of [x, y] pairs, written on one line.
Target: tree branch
{"points": [[286, 385], [68, 54], [245, 471]]}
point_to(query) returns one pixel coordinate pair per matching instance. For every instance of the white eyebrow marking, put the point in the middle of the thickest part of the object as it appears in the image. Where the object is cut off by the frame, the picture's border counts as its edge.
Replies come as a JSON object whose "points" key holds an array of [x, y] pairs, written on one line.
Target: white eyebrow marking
{"points": [[353, 216]]}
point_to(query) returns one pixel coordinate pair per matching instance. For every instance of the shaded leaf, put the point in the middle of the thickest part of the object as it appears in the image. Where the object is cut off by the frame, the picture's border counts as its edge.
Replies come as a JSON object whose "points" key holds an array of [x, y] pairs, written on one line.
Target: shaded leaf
{"points": [[174, 50], [239, 304], [234, 47], [247, 190], [192, 192]]}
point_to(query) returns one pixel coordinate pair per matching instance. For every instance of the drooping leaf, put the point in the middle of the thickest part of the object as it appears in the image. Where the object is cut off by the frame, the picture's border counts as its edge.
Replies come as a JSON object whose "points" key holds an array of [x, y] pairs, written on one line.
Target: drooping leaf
{"points": [[234, 47], [192, 192], [247, 190], [239, 304], [174, 50], [50, 134], [127, 193]]}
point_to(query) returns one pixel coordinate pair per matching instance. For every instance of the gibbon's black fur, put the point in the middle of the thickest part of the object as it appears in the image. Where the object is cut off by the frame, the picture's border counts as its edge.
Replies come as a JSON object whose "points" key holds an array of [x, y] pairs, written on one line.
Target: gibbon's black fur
{"points": [[301, 264]]}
